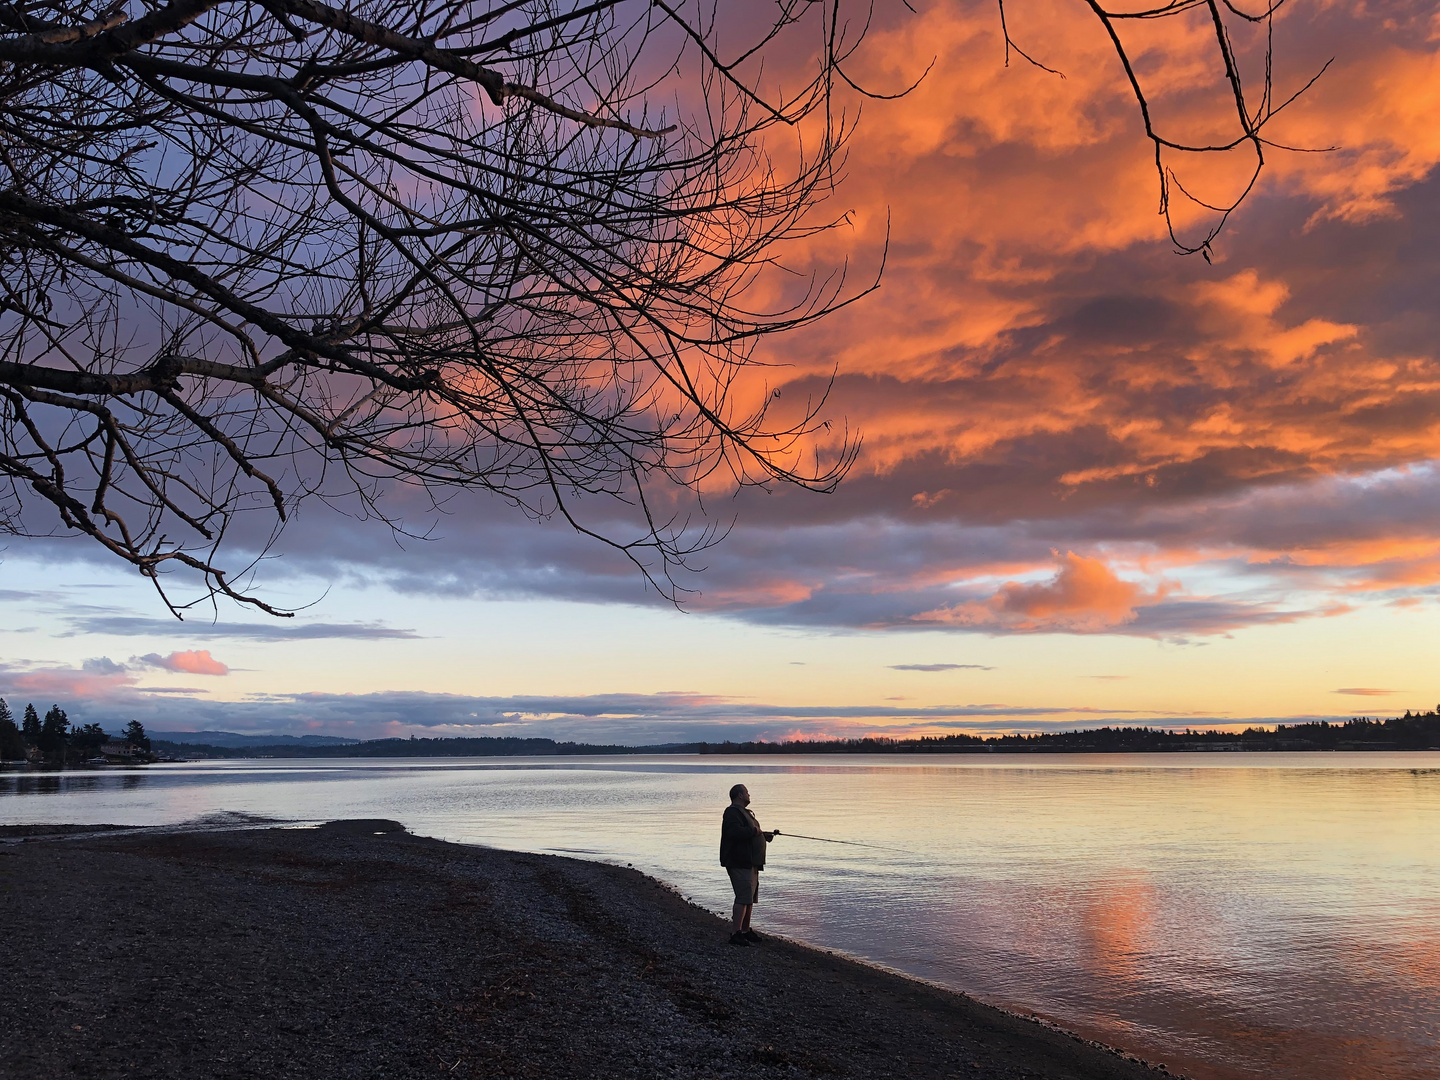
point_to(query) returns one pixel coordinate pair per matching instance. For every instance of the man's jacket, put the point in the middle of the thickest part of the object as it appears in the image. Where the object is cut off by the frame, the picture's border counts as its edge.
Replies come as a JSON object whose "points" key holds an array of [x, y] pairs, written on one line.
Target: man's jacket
{"points": [[742, 843]]}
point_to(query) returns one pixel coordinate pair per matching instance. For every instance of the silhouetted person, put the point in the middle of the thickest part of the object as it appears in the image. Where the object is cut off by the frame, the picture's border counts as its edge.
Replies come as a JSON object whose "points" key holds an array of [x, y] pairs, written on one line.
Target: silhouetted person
{"points": [[742, 853]]}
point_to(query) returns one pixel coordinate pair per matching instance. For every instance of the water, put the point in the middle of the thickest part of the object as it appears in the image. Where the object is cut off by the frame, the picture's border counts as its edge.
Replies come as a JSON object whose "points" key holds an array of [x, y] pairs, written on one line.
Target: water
{"points": [[1232, 915]]}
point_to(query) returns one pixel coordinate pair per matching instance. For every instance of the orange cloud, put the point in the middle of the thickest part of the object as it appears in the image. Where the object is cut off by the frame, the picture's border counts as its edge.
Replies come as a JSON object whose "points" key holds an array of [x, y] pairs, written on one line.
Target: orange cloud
{"points": [[1037, 359], [1040, 373], [1083, 586], [1084, 596], [1377, 109], [1001, 191]]}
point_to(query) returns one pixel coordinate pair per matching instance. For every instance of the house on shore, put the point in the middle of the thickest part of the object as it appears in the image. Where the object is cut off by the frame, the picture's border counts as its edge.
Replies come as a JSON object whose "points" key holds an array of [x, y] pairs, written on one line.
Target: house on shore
{"points": [[122, 753]]}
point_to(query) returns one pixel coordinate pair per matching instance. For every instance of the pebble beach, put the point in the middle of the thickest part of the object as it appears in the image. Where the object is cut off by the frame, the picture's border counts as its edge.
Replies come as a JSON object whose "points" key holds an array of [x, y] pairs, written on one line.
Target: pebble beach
{"points": [[356, 949]]}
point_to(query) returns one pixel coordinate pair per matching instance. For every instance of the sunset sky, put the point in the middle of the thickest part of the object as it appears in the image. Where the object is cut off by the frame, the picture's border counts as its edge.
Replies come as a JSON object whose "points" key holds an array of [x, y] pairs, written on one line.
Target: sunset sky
{"points": [[1101, 482]]}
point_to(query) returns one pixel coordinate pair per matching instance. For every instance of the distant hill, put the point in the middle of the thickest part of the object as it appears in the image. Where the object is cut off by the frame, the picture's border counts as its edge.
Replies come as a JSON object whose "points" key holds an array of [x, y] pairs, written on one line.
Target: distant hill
{"points": [[234, 739], [269, 747]]}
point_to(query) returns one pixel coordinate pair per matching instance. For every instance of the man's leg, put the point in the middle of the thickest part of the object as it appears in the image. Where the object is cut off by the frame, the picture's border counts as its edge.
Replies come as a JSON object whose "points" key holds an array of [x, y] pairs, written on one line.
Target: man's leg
{"points": [[744, 923], [741, 916]]}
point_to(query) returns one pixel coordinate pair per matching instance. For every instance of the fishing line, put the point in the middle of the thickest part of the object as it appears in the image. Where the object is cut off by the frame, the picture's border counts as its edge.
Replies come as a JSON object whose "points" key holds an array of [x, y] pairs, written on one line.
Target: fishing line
{"points": [[849, 843], [822, 839]]}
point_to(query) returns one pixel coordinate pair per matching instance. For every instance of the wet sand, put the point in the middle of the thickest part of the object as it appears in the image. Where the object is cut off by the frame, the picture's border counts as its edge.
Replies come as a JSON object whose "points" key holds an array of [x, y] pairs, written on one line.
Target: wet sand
{"points": [[358, 950]]}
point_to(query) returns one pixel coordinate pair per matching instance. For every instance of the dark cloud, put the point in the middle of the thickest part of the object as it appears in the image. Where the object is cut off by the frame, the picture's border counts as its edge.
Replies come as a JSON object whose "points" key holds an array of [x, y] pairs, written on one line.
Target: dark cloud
{"points": [[940, 667], [1183, 618], [1365, 691], [873, 571], [1282, 552], [278, 630]]}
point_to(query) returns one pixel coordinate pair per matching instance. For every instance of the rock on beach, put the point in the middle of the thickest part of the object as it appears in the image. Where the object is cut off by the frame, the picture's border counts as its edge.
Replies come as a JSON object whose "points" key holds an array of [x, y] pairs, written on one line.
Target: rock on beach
{"points": [[359, 950]]}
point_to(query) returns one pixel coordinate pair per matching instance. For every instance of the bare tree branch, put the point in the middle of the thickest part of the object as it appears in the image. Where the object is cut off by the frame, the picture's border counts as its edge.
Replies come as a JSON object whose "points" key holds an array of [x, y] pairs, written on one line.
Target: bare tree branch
{"points": [[1249, 123], [258, 250], [255, 251]]}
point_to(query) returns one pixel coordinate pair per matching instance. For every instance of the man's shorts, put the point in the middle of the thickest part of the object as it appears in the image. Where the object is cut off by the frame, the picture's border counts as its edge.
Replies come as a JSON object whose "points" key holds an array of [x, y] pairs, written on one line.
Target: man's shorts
{"points": [[746, 882]]}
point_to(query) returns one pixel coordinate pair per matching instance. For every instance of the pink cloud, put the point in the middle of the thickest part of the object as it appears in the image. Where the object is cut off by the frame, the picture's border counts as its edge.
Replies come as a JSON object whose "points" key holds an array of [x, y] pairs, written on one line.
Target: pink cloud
{"points": [[193, 662], [98, 680], [67, 683]]}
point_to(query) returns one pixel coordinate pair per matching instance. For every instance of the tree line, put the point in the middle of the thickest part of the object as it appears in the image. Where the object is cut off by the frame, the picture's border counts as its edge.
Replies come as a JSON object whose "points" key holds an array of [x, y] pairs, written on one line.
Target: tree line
{"points": [[1413, 731], [55, 741]]}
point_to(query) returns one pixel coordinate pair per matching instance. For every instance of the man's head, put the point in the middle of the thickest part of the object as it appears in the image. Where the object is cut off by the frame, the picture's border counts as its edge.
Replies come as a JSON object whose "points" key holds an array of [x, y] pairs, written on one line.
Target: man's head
{"points": [[740, 795]]}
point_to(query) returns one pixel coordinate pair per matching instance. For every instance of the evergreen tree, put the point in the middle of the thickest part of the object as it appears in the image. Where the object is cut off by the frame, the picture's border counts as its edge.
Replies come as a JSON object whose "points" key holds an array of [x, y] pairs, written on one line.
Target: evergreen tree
{"points": [[86, 741], [55, 735], [135, 735], [31, 731], [12, 746]]}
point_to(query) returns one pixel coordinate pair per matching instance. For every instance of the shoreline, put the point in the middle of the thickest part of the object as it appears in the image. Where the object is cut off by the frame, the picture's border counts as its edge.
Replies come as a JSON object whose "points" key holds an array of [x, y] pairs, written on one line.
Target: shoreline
{"points": [[754, 759], [359, 949]]}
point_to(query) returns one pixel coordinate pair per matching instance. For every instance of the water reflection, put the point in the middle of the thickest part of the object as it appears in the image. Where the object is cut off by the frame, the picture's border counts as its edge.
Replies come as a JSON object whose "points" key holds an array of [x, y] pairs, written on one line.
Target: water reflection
{"points": [[1117, 920], [55, 781], [1235, 915]]}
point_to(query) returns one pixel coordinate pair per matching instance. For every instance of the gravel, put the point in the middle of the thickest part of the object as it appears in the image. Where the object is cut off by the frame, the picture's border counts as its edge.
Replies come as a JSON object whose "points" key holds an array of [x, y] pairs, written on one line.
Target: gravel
{"points": [[358, 950]]}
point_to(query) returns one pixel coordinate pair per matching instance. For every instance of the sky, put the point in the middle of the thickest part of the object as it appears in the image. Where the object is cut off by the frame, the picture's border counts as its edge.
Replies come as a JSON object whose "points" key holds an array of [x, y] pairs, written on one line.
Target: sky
{"points": [[1100, 482]]}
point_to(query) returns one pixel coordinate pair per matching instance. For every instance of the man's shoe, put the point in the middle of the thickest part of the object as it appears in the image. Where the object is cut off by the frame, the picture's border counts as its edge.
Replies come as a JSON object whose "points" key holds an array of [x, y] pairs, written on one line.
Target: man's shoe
{"points": [[739, 939], [750, 935]]}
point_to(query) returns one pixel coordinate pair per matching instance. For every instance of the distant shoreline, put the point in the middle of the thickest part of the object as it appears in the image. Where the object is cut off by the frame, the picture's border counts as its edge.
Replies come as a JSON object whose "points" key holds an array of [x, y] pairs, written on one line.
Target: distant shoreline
{"points": [[181, 757], [1412, 731], [1418, 731]]}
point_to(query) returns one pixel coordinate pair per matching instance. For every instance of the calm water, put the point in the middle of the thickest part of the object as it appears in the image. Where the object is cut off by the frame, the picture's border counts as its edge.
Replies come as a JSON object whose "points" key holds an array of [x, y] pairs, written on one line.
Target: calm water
{"points": [[1232, 915]]}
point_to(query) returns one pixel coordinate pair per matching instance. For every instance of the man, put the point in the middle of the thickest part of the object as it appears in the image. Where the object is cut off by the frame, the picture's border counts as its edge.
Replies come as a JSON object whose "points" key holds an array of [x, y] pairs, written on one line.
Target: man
{"points": [[742, 853]]}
